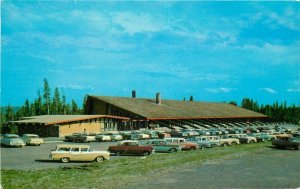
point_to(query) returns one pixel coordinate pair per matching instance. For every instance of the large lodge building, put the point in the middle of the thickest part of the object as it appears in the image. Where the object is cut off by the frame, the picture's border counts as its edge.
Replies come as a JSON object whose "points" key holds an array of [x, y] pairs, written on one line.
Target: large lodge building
{"points": [[150, 113], [107, 113]]}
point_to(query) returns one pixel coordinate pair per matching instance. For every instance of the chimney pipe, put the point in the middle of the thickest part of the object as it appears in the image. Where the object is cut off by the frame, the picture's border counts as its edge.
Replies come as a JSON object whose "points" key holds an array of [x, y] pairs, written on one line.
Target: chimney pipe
{"points": [[133, 94], [158, 99]]}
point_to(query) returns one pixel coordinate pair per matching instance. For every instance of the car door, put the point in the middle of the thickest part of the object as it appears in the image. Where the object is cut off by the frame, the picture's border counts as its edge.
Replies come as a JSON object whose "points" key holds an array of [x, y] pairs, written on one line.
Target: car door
{"points": [[75, 154]]}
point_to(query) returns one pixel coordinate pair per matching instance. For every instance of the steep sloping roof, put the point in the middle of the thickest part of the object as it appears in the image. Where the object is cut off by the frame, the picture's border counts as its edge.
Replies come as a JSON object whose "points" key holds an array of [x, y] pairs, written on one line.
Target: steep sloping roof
{"points": [[174, 109], [57, 119]]}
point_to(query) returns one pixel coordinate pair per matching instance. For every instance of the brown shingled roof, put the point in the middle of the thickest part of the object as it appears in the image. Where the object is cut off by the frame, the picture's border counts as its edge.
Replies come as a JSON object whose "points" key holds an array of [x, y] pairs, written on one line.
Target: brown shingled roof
{"points": [[57, 119], [174, 109]]}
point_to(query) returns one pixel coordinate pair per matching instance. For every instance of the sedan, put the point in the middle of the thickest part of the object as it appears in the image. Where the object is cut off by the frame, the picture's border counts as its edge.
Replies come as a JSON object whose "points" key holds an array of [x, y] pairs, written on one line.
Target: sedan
{"points": [[12, 140]]}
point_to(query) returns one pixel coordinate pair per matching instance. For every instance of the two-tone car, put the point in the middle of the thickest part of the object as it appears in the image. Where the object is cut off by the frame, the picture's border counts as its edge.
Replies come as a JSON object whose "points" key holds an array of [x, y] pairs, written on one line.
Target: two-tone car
{"points": [[12, 140], [243, 138], [161, 145], [287, 142], [32, 139], [66, 153], [102, 138], [185, 145], [130, 147], [205, 142]]}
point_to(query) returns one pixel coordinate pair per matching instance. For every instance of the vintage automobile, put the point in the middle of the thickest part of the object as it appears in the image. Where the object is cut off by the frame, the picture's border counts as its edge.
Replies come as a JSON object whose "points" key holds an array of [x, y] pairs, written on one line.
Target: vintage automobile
{"points": [[202, 131], [12, 140], [152, 133], [243, 138], [296, 134], [102, 138], [262, 137], [131, 147], [287, 142], [114, 136], [185, 145], [125, 134], [139, 135], [32, 139], [224, 140], [66, 153], [80, 137], [204, 142], [161, 145]]}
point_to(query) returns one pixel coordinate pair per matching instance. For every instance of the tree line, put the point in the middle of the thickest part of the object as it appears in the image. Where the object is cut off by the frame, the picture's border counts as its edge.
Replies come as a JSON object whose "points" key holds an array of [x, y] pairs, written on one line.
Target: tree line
{"points": [[47, 104], [44, 104], [277, 111]]}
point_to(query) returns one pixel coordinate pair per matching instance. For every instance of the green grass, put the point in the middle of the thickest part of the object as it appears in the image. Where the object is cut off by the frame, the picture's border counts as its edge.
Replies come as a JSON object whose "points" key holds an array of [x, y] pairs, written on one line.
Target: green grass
{"points": [[118, 173]]}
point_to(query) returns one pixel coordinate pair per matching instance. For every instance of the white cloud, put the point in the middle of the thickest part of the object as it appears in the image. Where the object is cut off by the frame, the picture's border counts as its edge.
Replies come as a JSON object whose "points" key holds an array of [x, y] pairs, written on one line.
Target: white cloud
{"points": [[294, 90], [220, 90], [136, 23], [269, 90], [77, 87]]}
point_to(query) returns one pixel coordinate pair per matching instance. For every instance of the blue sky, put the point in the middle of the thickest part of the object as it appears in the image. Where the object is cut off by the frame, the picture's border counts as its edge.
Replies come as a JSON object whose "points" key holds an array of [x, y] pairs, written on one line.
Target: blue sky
{"points": [[215, 51]]}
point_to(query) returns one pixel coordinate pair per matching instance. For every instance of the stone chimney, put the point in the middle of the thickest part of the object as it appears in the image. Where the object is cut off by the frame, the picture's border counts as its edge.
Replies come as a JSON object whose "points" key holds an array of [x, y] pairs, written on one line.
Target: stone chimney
{"points": [[158, 99], [133, 94]]}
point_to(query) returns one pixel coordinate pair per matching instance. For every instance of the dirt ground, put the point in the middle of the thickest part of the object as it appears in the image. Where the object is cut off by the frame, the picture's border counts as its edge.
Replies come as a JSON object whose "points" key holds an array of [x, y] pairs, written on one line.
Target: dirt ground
{"points": [[271, 168]]}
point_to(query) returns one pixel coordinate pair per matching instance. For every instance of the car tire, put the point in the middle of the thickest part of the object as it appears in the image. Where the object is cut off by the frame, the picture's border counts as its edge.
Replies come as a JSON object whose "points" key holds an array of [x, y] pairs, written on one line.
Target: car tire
{"points": [[117, 153], [172, 150], [251, 141], [99, 159], [225, 144], [192, 148], [146, 153], [213, 145], [65, 160], [233, 143]]}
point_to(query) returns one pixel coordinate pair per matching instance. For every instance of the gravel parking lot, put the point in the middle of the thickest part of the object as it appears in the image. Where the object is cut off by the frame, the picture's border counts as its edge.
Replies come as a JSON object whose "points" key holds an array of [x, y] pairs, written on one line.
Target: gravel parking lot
{"points": [[37, 157], [271, 168]]}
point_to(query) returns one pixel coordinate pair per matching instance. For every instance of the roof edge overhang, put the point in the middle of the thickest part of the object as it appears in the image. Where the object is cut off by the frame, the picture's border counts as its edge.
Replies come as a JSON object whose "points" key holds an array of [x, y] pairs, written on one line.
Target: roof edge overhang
{"points": [[187, 118], [72, 120]]}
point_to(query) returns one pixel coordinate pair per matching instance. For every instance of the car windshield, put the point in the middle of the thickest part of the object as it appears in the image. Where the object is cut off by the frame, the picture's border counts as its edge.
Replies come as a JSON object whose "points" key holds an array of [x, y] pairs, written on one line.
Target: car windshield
{"points": [[13, 136], [34, 136]]}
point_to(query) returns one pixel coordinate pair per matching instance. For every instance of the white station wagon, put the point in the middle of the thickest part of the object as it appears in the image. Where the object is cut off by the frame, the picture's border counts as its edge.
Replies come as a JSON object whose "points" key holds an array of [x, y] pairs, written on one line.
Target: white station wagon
{"points": [[66, 153]]}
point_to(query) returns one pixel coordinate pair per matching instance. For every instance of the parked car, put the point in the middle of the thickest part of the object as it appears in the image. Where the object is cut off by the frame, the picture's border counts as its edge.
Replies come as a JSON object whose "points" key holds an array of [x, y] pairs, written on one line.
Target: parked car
{"points": [[153, 134], [204, 142], [12, 140], [163, 134], [80, 137], [102, 138], [287, 142], [115, 136], [161, 145], [130, 147], [202, 131], [296, 134], [224, 140], [138, 135], [243, 138], [188, 133], [125, 134], [66, 153], [32, 139], [185, 145], [262, 137]]}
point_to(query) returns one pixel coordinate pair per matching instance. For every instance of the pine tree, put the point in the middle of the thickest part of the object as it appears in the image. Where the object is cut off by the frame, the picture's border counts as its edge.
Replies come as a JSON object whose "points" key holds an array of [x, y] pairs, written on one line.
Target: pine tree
{"points": [[74, 107], [57, 104], [46, 97]]}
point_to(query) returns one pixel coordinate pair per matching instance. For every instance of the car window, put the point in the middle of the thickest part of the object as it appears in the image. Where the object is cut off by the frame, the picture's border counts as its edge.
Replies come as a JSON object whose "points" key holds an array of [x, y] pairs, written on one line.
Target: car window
{"points": [[84, 149], [75, 150], [63, 149]]}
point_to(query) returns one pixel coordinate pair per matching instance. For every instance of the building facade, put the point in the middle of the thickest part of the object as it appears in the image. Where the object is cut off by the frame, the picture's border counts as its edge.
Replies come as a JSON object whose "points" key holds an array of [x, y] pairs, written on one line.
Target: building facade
{"points": [[61, 125], [156, 112]]}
